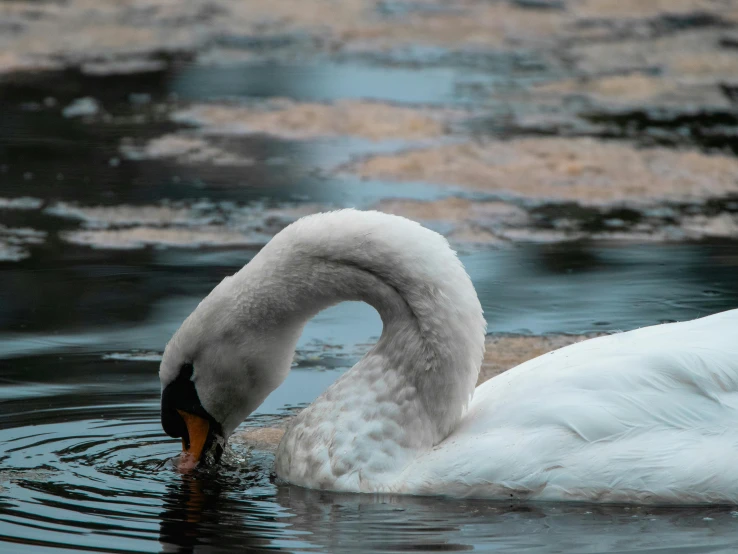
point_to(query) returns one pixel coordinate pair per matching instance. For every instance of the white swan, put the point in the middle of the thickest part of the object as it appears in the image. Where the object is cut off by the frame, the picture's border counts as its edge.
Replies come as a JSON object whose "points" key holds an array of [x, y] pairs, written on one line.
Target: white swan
{"points": [[647, 416]]}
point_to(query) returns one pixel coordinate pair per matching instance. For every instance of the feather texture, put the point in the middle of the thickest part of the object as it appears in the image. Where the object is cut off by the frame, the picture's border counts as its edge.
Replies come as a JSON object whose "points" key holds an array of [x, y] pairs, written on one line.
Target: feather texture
{"points": [[647, 416]]}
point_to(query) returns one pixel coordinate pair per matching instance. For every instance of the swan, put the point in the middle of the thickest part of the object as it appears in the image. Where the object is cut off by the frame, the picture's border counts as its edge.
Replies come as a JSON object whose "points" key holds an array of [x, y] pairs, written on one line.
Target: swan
{"points": [[645, 416]]}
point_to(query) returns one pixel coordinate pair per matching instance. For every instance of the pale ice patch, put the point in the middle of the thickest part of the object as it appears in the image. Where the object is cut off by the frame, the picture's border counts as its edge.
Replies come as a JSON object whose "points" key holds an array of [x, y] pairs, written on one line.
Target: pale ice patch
{"points": [[14, 242], [183, 225], [581, 170], [134, 356], [128, 215], [20, 203], [724, 225], [140, 237], [487, 223], [123, 67], [186, 149], [284, 118], [82, 107]]}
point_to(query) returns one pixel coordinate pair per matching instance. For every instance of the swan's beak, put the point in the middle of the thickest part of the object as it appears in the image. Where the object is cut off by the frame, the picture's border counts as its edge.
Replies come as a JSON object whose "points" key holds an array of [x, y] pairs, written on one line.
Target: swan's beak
{"points": [[198, 429], [182, 415]]}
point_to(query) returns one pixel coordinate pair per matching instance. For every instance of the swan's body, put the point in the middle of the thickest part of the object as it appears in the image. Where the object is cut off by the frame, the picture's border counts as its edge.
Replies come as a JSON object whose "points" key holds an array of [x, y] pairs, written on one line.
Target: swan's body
{"points": [[645, 416]]}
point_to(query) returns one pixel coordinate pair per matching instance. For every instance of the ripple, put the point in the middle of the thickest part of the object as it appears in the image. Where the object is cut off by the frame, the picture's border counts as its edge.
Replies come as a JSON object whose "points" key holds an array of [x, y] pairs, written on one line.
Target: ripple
{"points": [[78, 484], [104, 478]]}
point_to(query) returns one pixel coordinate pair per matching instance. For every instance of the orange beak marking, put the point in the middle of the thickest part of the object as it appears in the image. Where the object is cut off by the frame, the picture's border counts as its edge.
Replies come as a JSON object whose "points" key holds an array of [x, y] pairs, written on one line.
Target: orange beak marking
{"points": [[197, 429]]}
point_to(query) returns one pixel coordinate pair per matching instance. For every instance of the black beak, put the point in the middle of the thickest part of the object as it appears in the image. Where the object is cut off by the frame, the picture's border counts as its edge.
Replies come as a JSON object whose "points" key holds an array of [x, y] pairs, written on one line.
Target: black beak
{"points": [[182, 416]]}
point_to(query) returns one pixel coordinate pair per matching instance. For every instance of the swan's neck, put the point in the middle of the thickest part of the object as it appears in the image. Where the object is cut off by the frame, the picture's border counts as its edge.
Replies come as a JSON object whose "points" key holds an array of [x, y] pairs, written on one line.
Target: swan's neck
{"points": [[421, 374]]}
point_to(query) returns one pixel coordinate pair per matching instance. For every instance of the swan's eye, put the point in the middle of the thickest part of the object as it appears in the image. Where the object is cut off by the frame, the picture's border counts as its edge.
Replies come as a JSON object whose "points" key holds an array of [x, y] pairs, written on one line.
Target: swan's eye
{"points": [[186, 371]]}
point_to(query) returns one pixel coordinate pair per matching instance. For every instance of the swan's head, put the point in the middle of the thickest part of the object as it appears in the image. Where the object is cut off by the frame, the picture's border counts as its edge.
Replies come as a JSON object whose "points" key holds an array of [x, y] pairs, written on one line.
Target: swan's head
{"points": [[217, 369]]}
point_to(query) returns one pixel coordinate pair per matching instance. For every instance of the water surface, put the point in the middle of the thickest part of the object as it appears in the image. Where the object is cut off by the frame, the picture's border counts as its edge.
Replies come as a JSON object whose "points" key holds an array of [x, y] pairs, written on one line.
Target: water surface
{"points": [[84, 464]]}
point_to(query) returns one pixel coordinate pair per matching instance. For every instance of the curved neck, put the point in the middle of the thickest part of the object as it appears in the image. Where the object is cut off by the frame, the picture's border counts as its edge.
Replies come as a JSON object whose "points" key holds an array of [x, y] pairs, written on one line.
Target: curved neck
{"points": [[433, 329]]}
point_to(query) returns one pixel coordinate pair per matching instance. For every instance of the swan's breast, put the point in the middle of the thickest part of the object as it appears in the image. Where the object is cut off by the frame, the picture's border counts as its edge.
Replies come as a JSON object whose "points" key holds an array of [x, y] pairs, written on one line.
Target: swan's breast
{"points": [[358, 434]]}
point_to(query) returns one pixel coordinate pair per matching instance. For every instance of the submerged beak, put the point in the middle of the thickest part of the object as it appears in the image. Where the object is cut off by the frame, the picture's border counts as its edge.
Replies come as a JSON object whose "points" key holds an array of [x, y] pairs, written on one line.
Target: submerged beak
{"points": [[182, 415], [197, 435]]}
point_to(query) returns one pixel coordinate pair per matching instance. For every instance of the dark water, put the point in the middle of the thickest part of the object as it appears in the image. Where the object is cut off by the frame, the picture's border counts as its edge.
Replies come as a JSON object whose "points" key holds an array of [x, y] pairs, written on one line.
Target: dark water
{"points": [[84, 464]]}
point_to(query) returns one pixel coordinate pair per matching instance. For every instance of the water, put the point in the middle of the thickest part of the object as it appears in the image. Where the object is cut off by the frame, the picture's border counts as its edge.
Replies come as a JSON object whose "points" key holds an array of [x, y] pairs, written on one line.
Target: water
{"points": [[84, 464], [96, 478]]}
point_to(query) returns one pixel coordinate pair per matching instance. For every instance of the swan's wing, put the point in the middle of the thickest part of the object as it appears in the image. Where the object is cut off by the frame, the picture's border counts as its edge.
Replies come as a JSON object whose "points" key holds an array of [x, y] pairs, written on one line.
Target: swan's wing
{"points": [[651, 414]]}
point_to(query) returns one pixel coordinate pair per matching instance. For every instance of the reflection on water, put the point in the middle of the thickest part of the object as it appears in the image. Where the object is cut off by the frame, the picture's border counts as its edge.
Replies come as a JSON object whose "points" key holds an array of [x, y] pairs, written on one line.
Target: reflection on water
{"points": [[85, 465], [102, 481], [114, 301]]}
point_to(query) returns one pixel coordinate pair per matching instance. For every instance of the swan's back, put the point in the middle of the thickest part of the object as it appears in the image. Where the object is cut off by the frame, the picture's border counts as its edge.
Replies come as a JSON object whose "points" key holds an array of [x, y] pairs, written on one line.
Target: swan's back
{"points": [[649, 415]]}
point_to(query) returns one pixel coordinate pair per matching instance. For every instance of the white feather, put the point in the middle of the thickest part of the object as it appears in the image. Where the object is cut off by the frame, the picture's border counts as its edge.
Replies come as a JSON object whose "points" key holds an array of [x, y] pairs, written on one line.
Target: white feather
{"points": [[648, 416]]}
